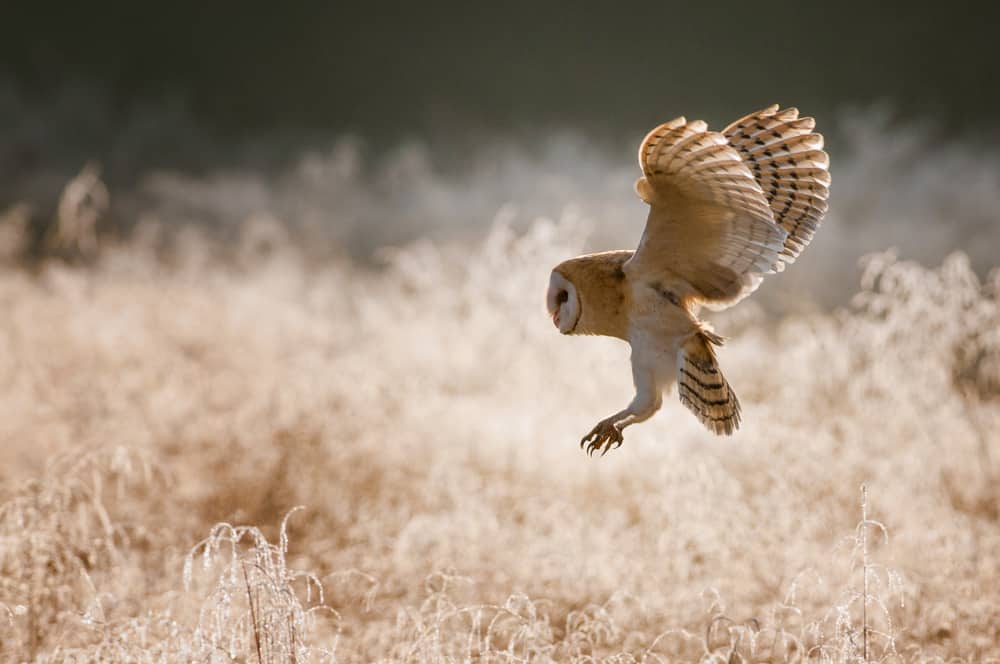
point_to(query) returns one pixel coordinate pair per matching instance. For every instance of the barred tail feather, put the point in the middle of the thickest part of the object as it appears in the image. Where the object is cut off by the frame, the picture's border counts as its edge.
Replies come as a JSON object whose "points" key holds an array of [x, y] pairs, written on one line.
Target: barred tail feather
{"points": [[703, 388]]}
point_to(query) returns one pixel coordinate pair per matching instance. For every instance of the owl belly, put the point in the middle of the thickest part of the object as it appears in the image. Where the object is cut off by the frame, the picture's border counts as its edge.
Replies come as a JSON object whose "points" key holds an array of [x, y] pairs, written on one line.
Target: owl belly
{"points": [[659, 324]]}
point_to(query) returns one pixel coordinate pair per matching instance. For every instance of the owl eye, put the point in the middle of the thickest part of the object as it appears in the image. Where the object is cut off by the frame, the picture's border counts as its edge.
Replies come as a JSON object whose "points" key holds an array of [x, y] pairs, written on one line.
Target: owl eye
{"points": [[562, 297]]}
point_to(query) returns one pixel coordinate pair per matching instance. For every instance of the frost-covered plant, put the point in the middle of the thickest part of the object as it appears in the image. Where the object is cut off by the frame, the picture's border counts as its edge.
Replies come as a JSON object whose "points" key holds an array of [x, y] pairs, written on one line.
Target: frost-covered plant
{"points": [[253, 611], [56, 532]]}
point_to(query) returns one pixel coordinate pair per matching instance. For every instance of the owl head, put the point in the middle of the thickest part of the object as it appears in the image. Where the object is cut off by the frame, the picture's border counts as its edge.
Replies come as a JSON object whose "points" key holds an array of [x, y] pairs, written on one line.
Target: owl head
{"points": [[587, 295]]}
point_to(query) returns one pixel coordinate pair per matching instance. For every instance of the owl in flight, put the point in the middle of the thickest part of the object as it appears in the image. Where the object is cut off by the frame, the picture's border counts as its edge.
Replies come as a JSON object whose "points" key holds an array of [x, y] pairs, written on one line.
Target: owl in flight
{"points": [[725, 208]]}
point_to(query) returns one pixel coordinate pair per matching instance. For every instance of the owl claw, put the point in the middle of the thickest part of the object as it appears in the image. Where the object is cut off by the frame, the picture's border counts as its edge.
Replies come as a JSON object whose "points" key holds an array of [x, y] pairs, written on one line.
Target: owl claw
{"points": [[604, 437]]}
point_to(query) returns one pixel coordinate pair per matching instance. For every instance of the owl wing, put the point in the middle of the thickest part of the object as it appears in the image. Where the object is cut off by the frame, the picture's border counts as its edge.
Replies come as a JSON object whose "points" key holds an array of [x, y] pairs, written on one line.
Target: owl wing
{"points": [[786, 158], [710, 223]]}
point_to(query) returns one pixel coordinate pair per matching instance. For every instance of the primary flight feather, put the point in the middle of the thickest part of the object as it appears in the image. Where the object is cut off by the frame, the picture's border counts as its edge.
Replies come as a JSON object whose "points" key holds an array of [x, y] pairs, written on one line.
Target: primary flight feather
{"points": [[725, 209]]}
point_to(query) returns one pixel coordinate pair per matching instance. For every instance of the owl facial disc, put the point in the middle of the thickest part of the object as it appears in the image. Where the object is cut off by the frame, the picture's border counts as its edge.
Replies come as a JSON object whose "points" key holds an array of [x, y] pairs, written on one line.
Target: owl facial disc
{"points": [[563, 303]]}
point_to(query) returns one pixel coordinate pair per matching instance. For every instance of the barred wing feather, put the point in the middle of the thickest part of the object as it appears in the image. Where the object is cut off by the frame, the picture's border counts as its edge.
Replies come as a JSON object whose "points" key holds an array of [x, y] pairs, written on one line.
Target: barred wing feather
{"points": [[710, 222], [787, 160]]}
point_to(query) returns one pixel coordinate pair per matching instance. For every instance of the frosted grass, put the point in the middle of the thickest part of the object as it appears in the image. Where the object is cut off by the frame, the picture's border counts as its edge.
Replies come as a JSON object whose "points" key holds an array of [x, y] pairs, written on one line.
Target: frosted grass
{"points": [[366, 337]]}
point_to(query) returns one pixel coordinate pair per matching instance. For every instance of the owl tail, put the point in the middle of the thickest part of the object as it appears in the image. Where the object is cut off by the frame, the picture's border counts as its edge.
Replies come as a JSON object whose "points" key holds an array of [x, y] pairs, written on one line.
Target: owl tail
{"points": [[703, 388]]}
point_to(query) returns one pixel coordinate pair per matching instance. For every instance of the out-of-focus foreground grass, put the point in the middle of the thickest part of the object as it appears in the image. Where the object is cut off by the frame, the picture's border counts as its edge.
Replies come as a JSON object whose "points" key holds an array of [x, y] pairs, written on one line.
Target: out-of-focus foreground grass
{"points": [[166, 404]]}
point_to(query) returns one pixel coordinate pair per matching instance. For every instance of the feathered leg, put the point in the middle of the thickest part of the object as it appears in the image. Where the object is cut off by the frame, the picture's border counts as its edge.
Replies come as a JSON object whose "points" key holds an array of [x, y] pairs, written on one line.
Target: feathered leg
{"points": [[607, 435]]}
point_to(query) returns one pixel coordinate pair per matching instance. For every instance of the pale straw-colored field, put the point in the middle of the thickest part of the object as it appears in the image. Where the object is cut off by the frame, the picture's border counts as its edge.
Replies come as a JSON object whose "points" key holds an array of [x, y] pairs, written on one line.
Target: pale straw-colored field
{"points": [[167, 405]]}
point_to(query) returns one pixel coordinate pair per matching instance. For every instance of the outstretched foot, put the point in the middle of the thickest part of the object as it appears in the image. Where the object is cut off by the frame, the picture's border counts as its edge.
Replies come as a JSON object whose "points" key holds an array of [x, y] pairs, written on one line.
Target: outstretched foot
{"points": [[604, 437]]}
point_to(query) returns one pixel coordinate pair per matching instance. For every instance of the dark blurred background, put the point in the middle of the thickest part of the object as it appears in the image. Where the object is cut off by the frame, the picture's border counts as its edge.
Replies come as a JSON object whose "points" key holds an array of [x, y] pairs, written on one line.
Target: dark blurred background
{"points": [[356, 127], [387, 70]]}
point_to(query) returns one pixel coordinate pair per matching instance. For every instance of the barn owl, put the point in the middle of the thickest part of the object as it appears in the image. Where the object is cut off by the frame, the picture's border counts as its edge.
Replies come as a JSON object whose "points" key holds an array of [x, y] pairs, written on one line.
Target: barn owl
{"points": [[726, 208]]}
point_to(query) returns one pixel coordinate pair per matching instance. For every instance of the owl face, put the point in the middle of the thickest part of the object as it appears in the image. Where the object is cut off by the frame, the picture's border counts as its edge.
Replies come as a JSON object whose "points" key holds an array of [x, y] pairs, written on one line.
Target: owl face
{"points": [[563, 303]]}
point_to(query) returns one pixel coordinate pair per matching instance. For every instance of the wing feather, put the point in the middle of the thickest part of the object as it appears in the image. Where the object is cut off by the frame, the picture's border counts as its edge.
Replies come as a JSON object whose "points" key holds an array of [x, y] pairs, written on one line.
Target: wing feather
{"points": [[787, 159], [728, 207], [710, 222]]}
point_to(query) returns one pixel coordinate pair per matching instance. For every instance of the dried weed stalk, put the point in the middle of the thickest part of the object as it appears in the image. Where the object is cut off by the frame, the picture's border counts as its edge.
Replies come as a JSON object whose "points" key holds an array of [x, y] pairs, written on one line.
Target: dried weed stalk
{"points": [[253, 611]]}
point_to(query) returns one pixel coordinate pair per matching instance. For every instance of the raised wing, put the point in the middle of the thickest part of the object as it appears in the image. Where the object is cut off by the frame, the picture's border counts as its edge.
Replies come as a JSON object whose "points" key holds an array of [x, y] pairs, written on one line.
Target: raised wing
{"points": [[788, 162], [710, 222]]}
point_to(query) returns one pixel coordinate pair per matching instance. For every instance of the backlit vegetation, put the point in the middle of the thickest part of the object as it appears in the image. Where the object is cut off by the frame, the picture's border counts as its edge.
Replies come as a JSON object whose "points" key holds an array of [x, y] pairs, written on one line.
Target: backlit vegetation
{"points": [[168, 402]]}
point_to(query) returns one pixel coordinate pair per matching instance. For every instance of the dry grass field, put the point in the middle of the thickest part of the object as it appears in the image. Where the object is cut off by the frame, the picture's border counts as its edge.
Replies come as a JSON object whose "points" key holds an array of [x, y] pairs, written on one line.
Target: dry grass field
{"points": [[167, 406]]}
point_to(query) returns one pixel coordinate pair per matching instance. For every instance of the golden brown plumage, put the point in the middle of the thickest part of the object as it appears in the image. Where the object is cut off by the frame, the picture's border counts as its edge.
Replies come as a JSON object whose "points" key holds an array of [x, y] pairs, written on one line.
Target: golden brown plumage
{"points": [[726, 208], [603, 310], [787, 160]]}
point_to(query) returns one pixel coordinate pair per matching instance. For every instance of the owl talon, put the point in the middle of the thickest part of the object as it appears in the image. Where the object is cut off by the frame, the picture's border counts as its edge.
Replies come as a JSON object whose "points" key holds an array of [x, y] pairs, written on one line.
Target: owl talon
{"points": [[604, 437]]}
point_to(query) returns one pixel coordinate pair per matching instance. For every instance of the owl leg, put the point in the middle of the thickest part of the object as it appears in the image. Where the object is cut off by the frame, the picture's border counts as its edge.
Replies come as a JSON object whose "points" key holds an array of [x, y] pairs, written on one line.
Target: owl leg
{"points": [[607, 435]]}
